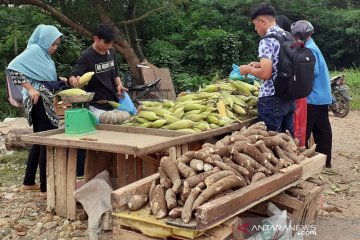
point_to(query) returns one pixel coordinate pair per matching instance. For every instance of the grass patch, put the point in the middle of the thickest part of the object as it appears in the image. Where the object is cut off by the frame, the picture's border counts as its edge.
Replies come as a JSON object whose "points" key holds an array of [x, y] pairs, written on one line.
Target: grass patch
{"points": [[12, 168], [352, 79], [11, 174], [18, 157]]}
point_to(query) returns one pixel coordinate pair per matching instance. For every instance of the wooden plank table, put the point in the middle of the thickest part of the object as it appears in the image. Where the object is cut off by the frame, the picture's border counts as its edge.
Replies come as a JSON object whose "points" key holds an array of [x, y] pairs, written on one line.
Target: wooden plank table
{"points": [[126, 152]]}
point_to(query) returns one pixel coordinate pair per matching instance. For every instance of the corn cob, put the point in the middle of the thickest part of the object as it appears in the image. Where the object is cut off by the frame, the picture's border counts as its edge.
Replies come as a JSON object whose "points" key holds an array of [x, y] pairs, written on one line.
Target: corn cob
{"points": [[114, 104], [151, 116], [158, 123], [180, 124], [85, 78], [72, 92], [239, 110], [221, 108]]}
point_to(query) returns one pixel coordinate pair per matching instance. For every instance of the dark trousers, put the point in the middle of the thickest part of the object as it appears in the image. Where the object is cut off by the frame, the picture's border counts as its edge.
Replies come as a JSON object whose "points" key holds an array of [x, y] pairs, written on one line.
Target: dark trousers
{"points": [[37, 154], [318, 123], [277, 113]]}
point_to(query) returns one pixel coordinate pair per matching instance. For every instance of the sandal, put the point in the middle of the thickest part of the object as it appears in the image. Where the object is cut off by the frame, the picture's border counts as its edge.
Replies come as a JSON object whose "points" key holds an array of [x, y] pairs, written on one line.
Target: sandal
{"points": [[30, 188], [43, 195]]}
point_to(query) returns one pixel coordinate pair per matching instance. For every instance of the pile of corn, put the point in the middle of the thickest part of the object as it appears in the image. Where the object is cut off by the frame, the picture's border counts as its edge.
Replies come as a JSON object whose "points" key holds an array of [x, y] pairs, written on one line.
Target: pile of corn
{"points": [[213, 106]]}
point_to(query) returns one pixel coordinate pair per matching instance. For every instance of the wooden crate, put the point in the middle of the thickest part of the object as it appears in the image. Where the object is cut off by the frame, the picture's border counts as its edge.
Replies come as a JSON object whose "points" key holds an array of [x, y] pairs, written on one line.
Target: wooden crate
{"points": [[224, 231], [300, 202], [60, 107]]}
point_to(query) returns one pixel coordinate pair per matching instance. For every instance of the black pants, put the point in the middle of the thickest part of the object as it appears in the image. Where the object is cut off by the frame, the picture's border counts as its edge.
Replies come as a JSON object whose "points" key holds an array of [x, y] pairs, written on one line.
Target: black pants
{"points": [[37, 154], [318, 123]]}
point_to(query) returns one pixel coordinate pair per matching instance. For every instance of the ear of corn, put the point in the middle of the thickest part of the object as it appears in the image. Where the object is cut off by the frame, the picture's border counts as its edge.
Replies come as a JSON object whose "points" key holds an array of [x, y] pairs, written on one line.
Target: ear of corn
{"points": [[210, 88], [158, 123], [85, 78], [168, 104], [185, 123], [179, 113], [227, 98], [141, 120], [170, 118], [114, 104], [243, 89], [195, 117], [150, 104], [72, 92], [194, 106], [252, 101], [212, 119], [203, 126], [239, 110], [151, 116], [221, 108]]}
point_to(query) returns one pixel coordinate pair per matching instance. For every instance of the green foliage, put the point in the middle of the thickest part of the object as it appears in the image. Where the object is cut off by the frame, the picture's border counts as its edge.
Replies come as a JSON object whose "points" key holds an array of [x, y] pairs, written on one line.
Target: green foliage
{"points": [[213, 50], [189, 82], [163, 53], [352, 79]]}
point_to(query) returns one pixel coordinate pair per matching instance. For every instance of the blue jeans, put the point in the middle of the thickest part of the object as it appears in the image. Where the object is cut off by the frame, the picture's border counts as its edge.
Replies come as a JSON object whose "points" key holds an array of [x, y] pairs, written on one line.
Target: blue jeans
{"points": [[277, 113]]}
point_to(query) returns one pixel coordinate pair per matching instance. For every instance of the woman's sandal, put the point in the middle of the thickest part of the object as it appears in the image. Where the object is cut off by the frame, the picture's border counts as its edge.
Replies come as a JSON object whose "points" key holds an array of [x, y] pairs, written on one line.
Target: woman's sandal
{"points": [[43, 194], [30, 188]]}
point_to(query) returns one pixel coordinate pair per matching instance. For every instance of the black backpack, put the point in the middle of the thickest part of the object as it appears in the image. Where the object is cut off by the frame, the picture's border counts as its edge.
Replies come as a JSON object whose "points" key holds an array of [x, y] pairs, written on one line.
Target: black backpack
{"points": [[295, 77]]}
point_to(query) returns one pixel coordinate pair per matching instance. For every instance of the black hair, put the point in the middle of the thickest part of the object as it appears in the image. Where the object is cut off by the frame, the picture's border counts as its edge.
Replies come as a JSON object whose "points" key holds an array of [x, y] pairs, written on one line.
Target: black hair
{"points": [[263, 9], [284, 22], [105, 32]]}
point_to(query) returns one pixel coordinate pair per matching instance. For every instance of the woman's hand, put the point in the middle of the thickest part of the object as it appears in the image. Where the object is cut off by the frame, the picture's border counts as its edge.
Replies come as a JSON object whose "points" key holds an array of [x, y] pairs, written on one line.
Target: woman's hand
{"points": [[34, 95], [64, 80]]}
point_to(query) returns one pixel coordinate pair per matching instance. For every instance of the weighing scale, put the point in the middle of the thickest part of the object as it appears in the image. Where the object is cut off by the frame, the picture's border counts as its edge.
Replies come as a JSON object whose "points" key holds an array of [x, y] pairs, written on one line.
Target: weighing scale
{"points": [[78, 119]]}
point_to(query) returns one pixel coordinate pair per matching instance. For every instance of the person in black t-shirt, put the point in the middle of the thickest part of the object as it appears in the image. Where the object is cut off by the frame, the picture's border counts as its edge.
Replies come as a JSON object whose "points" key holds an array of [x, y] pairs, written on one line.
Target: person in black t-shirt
{"points": [[100, 58]]}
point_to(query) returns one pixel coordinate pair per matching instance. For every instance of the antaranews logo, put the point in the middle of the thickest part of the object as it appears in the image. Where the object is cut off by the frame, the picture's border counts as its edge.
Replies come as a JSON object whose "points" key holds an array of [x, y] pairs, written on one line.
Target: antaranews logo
{"points": [[270, 231]]}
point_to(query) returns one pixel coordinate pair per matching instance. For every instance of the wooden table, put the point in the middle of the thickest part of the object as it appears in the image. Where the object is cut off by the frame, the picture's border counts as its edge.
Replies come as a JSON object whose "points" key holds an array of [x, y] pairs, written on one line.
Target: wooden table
{"points": [[126, 152]]}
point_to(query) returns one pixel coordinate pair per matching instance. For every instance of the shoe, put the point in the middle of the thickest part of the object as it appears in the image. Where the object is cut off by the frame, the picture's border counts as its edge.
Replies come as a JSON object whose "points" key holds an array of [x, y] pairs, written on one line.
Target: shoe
{"points": [[43, 195], [30, 188]]}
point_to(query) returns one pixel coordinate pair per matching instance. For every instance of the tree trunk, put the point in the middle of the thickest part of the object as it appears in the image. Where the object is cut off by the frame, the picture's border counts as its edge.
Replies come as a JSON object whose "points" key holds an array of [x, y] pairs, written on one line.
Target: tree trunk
{"points": [[131, 30], [12, 139]]}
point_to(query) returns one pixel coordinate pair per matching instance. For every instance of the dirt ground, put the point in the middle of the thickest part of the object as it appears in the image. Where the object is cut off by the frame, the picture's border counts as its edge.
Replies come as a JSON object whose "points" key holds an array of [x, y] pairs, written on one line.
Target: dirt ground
{"points": [[23, 215]]}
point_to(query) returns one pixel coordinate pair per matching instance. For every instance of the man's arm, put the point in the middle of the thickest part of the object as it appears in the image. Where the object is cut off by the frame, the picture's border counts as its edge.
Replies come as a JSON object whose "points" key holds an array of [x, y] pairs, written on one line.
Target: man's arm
{"points": [[119, 87], [262, 70]]}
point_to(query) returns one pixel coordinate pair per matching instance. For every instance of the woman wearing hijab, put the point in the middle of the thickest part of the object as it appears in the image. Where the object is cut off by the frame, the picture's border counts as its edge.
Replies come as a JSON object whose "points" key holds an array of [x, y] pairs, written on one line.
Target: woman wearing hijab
{"points": [[35, 70]]}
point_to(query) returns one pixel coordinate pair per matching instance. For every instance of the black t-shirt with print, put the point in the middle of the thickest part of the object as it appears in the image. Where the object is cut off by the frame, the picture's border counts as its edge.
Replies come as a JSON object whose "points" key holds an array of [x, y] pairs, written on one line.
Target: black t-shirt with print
{"points": [[103, 81]]}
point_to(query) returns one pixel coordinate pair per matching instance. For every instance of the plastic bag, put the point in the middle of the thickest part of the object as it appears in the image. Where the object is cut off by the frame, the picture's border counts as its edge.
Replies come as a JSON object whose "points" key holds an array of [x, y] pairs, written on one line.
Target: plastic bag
{"points": [[126, 104], [300, 118], [278, 226], [236, 75]]}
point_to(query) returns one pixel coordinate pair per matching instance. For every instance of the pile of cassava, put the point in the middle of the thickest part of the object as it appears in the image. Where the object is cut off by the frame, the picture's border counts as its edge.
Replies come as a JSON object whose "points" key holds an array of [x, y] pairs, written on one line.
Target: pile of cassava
{"points": [[213, 106], [237, 160]]}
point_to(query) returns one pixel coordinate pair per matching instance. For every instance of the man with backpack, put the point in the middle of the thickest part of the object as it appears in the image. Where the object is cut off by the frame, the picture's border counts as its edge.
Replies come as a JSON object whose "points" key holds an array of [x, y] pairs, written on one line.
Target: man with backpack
{"points": [[317, 102], [277, 112]]}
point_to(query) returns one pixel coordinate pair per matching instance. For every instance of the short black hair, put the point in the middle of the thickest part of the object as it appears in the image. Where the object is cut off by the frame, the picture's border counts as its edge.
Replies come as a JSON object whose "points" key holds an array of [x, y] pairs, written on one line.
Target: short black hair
{"points": [[284, 22], [105, 32], [263, 9]]}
